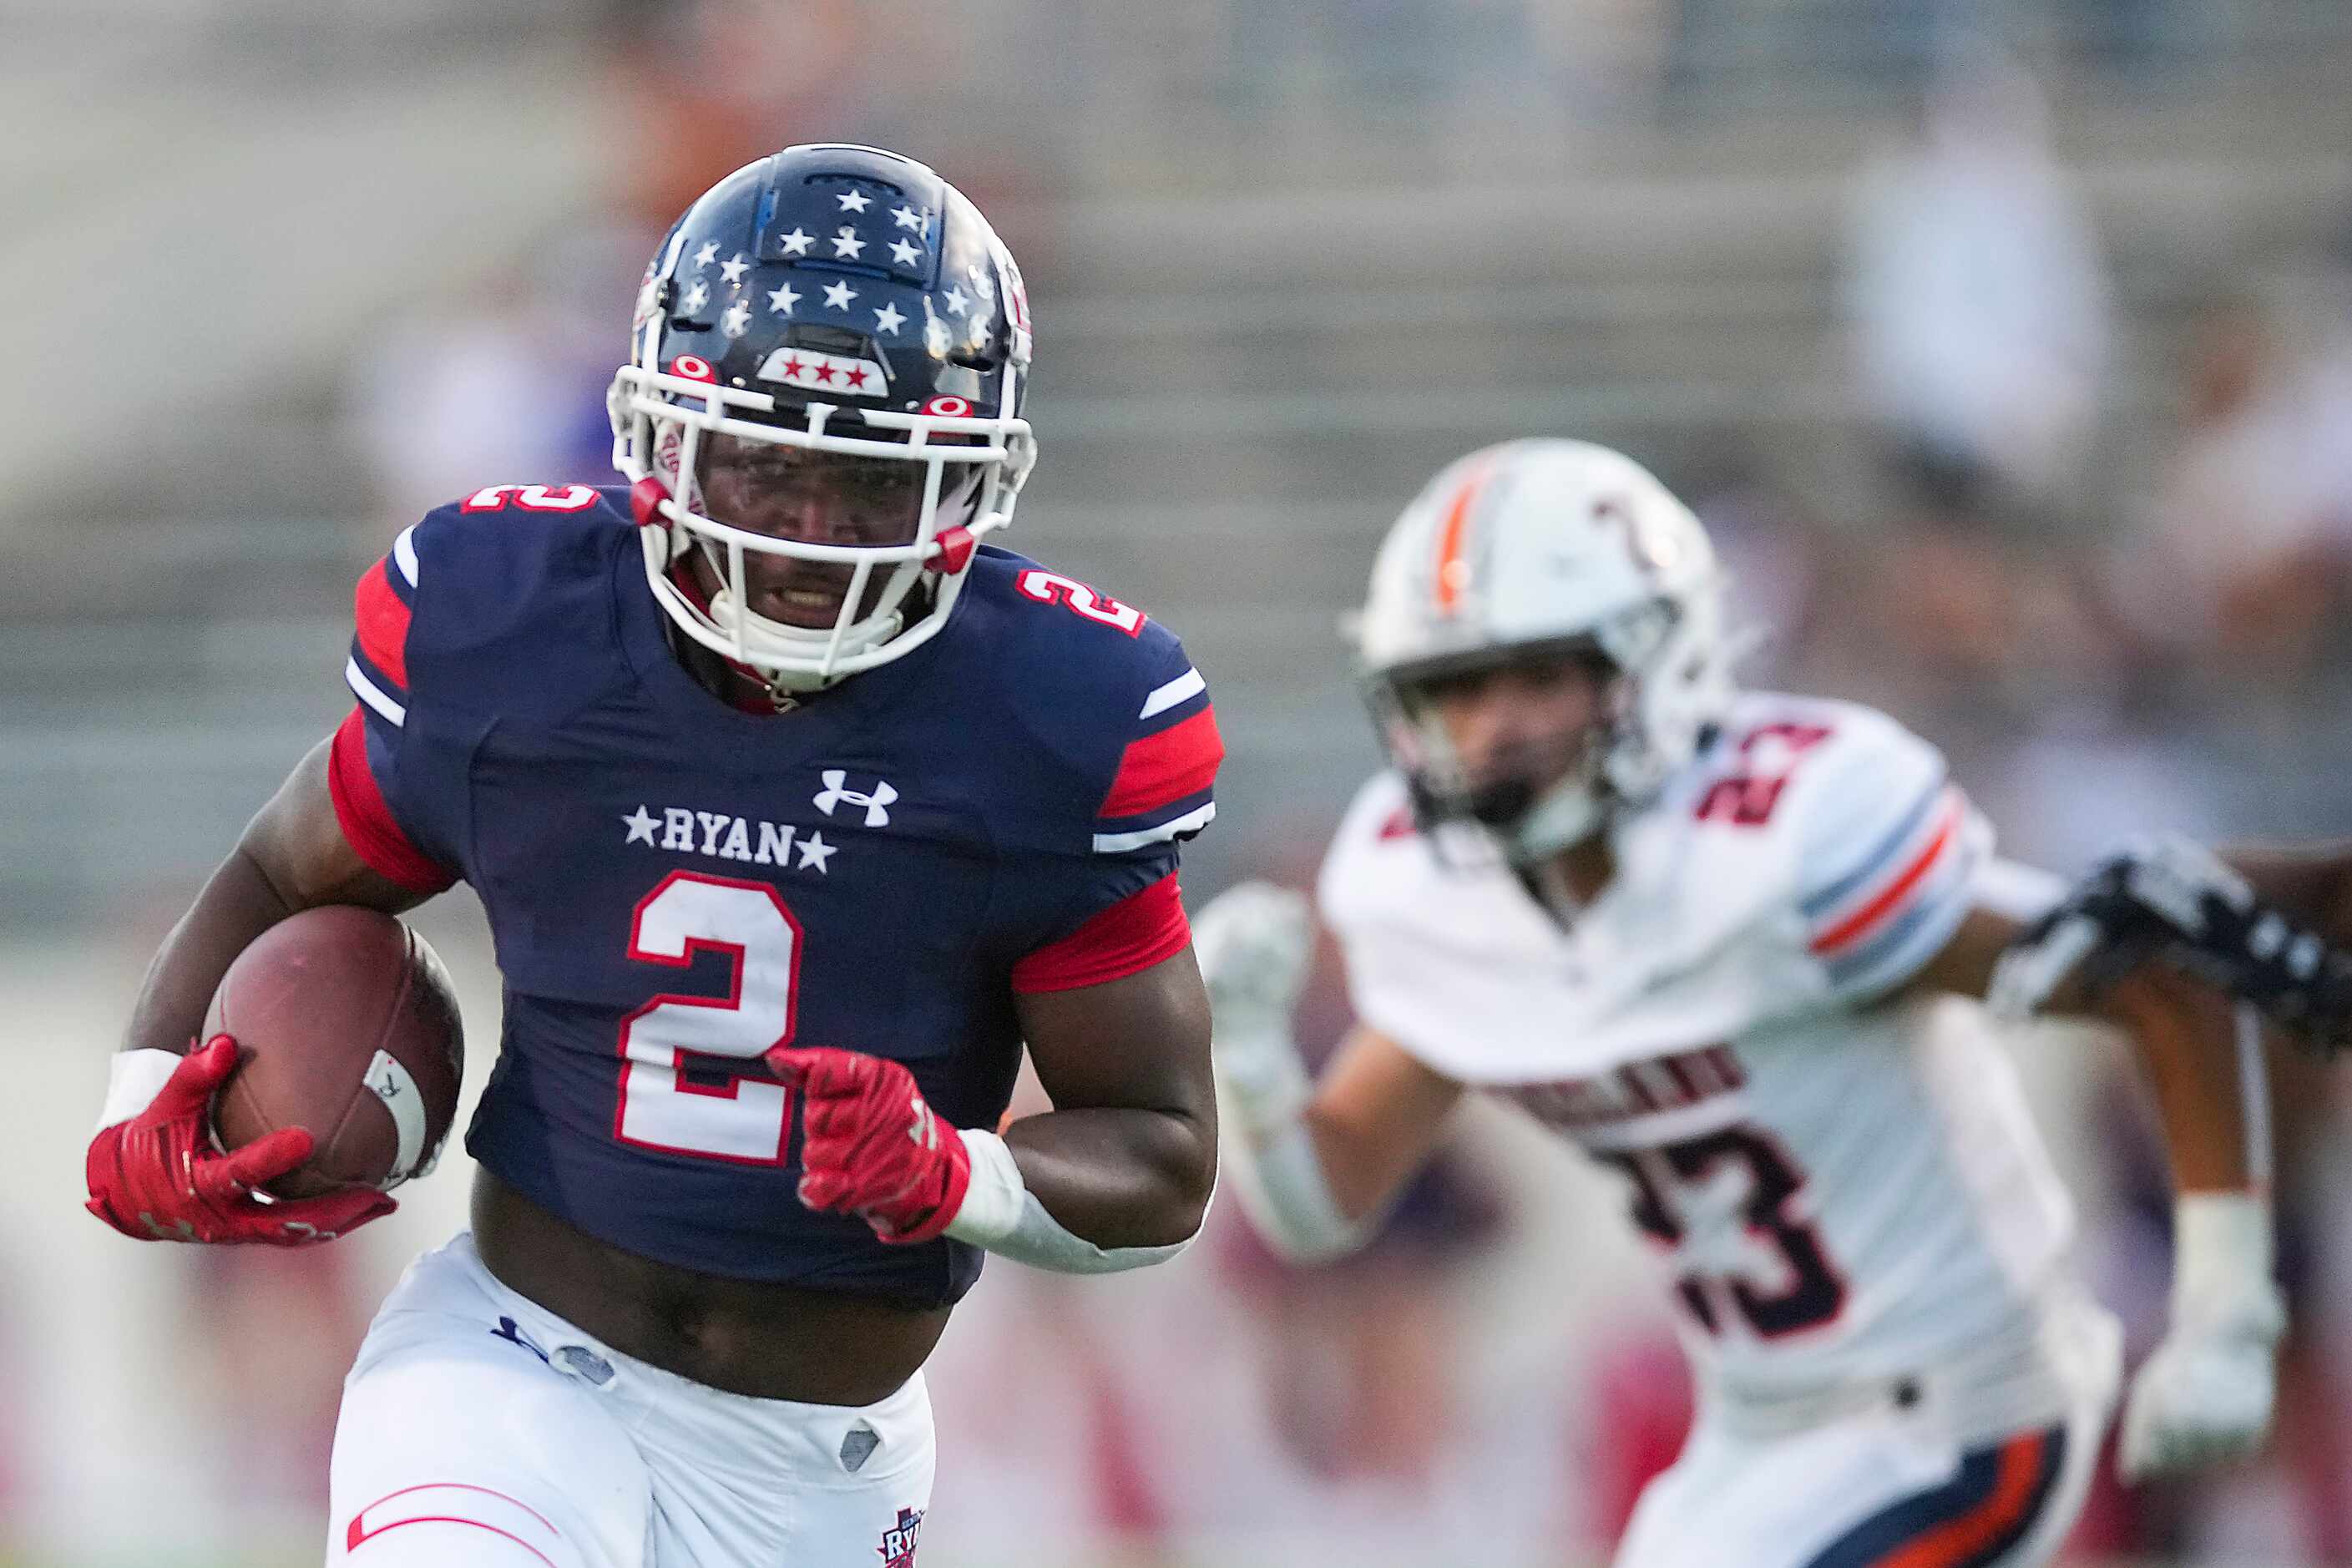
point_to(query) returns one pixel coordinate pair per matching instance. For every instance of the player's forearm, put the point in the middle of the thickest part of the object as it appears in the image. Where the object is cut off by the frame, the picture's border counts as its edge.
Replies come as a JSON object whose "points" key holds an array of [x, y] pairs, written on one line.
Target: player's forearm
{"points": [[1119, 1177], [291, 856], [1363, 1169], [2185, 1034]]}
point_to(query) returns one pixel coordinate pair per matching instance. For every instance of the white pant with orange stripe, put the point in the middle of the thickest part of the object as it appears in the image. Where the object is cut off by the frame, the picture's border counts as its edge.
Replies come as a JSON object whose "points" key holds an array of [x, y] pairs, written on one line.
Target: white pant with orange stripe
{"points": [[479, 1430], [1909, 1474]]}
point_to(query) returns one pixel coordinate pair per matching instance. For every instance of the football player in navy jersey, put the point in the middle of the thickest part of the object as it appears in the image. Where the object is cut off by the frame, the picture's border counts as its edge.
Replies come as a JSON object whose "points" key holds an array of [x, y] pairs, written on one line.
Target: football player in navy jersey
{"points": [[796, 808]]}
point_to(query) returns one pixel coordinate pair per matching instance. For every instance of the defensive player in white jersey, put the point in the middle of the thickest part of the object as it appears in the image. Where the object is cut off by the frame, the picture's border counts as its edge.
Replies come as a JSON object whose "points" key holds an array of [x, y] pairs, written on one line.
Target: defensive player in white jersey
{"points": [[1712, 936]]}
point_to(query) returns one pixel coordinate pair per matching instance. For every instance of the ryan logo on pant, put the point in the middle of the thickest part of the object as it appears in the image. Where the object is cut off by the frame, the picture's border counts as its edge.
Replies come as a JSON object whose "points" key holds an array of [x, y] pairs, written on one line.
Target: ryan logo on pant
{"points": [[898, 1541]]}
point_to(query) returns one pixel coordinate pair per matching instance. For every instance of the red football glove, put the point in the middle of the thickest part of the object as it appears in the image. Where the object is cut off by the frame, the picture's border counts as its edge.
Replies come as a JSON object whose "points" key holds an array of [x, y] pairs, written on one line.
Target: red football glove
{"points": [[157, 1177], [870, 1146]]}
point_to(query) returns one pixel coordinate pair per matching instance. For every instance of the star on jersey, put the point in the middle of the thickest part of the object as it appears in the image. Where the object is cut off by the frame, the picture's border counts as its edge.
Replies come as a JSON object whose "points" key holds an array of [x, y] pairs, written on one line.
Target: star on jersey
{"points": [[708, 254], [815, 852], [723, 835], [847, 243], [908, 217], [782, 300], [958, 301], [888, 318], [909, 253], [855, 201], [839, 295], [734, 270], [797, 242]]}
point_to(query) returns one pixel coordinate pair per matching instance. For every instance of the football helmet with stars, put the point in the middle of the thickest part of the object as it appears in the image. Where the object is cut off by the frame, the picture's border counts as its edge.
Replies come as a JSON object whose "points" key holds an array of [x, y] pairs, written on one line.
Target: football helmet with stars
{"points": [[829, 299]]}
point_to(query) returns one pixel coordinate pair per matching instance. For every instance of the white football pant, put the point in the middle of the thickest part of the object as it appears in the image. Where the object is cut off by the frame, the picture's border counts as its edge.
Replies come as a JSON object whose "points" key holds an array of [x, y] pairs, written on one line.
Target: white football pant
{"points": [[479, 1430], [1892, 1482]]}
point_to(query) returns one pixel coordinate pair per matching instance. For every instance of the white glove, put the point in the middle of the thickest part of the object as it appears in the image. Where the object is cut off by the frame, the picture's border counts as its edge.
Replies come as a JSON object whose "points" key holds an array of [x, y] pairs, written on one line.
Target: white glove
{"points": [[2205, 1395], [1254, 943]]}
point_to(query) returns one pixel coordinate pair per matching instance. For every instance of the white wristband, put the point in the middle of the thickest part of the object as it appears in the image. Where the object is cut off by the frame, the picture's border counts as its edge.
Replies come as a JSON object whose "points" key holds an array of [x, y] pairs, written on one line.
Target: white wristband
{"points": [[133, 1079], [1001, 1214], [2222, 1260], [1289, 1200]]}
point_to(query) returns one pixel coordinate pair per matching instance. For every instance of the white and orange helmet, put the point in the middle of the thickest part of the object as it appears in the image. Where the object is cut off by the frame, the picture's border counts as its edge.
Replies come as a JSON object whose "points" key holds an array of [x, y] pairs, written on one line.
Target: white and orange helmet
{"points": [[1532, 546]]}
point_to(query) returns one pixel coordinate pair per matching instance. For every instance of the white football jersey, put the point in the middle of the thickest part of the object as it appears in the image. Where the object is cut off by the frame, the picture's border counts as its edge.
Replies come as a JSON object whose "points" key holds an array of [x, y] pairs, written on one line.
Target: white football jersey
{"points": [[1844, 1189]]}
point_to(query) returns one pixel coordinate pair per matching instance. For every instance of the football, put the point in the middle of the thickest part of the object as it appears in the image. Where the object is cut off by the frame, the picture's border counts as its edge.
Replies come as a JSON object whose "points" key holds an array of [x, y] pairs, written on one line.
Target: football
{"points": [[346, 1026]]}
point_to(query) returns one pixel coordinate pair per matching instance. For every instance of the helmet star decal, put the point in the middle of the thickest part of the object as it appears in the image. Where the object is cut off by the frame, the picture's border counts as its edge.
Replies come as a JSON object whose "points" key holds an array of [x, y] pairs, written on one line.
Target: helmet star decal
{"points": [[845, 301]]}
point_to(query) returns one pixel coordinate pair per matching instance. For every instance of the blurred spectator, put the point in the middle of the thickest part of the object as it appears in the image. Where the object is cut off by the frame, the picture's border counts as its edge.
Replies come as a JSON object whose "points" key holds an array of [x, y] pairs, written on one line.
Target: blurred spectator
{"points": [[706, 86], [2237, 570], [506, 386], [1979, 302]]}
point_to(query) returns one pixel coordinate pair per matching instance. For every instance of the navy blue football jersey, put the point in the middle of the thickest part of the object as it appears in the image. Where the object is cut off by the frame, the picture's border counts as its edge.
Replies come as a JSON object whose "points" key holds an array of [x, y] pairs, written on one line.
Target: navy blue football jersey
{"points": [[675, 885]]}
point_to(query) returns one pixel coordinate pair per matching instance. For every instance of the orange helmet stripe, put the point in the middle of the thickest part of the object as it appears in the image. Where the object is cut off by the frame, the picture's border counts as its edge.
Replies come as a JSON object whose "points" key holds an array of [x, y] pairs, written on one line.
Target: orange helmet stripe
{"points": [[1452, 571]]}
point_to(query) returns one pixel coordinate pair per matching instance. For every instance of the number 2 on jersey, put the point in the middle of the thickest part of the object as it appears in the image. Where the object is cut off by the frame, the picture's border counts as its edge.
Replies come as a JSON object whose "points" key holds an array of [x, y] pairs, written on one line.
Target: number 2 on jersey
{"points": [[1813, 1295], [745, 1119]]}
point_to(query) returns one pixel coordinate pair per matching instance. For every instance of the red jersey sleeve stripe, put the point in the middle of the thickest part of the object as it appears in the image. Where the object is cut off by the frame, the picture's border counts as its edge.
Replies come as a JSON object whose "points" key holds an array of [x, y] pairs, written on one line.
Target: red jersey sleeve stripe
{"points": [[382, 616], [1129, 937], [367, 822], [1162, 769]]}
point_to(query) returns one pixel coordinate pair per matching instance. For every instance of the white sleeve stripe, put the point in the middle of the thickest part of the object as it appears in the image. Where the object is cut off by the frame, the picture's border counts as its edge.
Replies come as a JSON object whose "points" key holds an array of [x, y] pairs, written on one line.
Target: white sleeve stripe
{"points": [[374, 696], [1119, 843], [1184, 688], [404, 554]]}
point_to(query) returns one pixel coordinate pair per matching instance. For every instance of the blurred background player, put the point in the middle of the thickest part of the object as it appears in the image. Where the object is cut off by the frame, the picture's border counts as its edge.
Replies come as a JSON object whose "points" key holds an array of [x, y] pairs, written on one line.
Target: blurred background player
{"points": [[1713, 937], [725, 755]]}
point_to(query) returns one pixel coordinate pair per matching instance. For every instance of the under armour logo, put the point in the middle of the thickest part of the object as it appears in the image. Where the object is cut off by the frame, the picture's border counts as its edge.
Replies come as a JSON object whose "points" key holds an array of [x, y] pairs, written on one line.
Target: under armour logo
{"points": [[835, 791], [509, 1330]]}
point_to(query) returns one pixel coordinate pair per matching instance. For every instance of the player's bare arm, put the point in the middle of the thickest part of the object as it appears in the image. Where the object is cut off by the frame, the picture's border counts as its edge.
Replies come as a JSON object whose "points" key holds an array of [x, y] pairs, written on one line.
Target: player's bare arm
{"points": [[291, 856], [1377, 1117], [2183, 1030], [151, 1172], [1129, 1154]]}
